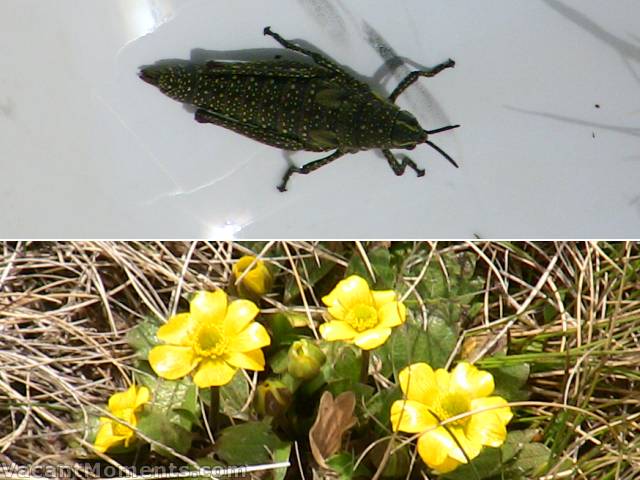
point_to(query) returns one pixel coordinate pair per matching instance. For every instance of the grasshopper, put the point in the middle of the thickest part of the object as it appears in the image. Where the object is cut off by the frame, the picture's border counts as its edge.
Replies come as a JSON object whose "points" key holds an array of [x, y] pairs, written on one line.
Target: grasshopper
{"points": [[297, 106]]}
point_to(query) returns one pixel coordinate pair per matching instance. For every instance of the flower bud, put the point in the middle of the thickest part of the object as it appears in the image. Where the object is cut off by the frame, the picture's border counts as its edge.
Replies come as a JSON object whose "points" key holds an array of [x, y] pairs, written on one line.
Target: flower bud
{"points": [[305, 359], [272, 398], [255, 282]]}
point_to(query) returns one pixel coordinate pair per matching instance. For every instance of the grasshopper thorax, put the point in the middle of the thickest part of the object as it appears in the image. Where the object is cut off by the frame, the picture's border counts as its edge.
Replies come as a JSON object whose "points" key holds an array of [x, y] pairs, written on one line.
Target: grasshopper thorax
{"points": [[406, 131]]}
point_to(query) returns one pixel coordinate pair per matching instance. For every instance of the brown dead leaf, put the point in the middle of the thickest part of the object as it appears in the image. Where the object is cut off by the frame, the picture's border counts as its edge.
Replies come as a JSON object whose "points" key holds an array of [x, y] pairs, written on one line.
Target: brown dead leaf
{"points": [[334, 419]]}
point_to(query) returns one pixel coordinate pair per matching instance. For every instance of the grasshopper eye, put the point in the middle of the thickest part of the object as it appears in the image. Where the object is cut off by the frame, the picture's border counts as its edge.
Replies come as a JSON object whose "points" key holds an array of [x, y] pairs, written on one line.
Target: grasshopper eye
{"points": [[407, 132]]}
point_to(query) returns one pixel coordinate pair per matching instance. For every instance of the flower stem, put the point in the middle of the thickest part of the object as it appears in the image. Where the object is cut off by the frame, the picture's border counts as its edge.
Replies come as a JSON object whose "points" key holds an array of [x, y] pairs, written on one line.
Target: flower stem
{"points": [[364, 367], [214, 408]]}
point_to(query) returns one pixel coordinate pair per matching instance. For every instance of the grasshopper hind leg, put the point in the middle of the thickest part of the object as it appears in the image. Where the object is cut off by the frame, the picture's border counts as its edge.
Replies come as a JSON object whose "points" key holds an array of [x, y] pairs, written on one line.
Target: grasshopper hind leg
{"points": [[399, 167], [319, 59], [308, 168]]}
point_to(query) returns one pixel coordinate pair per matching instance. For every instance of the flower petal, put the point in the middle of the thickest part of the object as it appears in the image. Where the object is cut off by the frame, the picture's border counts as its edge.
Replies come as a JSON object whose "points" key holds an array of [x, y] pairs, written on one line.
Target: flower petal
{"points": [[143, 395], [441, 442], [253, 337], [172, 362], [470, 448], [122, 400], [351, 291], [337, 312], [418, 382], [392, 314], [489, 427], [251, 360], [213, 373], [382, 297], [337, 330], [467, 377], [411, 416], [434, 447], [105, 437], [443, 379], [178, 329], [209, 306], [240, 313], [370, 339]]}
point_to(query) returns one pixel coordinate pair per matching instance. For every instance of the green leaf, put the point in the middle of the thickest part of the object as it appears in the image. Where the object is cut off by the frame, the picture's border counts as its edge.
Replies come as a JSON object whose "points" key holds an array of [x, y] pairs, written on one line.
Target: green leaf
{"points": [[234, 395], [281, 454], [343, 464], [379, 407], [511, 381], [410, 343], [154, 424], [380, 260], [530, 462], [142, 338], [283, 333], [485, 465], [449, 295], [341, 370], [517, 459], [515, 441], [249, 443], [177, 400], [311, 271]]}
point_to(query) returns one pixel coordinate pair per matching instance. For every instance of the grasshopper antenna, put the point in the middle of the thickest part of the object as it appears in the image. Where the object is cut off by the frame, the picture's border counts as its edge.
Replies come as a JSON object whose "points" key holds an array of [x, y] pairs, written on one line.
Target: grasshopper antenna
{"points": [[437, 148]]}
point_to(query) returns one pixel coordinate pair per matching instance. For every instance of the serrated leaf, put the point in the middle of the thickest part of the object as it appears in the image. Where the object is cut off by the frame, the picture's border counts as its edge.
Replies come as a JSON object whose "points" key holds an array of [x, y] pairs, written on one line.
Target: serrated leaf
{"points": [[410, 343], [448, 295], [248, 443], [515, 441], [154, 424], [531, 460], [177, 400]]}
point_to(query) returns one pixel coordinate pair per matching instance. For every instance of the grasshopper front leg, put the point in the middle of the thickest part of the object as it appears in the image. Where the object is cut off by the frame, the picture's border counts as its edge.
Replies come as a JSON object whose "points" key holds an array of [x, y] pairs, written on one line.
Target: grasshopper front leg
{"points": [[413, 76], [399, 167]]}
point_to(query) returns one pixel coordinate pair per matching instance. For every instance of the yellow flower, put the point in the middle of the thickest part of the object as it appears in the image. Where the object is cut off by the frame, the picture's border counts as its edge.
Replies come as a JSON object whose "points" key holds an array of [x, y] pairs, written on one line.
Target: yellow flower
{"points": [[432, 397], [256, 281], [214, 339], [121, 405], [360, 315]]}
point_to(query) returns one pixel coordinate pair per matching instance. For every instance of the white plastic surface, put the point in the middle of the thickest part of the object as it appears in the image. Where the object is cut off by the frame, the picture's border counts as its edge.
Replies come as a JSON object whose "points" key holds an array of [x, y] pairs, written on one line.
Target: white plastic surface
{"points": [[89, 150]]}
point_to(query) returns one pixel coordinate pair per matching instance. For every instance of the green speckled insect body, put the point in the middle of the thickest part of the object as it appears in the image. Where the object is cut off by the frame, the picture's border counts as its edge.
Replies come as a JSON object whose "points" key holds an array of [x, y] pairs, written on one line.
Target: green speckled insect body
{"points": [[296, 106]]}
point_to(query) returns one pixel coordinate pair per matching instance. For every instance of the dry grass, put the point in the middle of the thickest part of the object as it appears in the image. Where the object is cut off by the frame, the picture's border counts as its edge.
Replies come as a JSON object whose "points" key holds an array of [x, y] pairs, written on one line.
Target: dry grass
{"points": [[571, 310]]}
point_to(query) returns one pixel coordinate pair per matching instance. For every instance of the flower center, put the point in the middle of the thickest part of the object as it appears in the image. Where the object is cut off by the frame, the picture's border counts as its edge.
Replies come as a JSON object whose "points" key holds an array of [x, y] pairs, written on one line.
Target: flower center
{"points": [[362, 317], [451, 405], [210, 342]]}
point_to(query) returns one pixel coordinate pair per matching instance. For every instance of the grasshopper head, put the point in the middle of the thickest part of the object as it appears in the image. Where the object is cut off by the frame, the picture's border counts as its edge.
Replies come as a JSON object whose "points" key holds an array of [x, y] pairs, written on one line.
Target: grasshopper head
{"points": [[407, 133]]}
